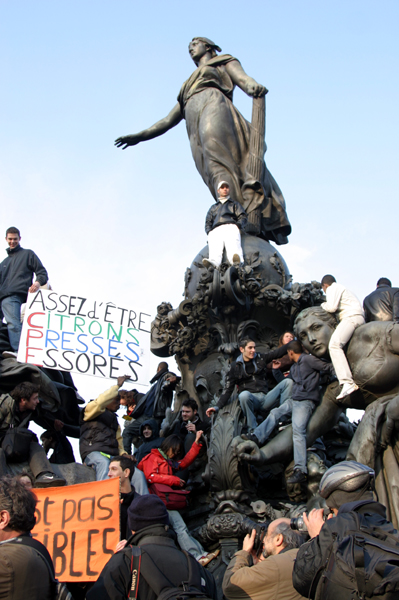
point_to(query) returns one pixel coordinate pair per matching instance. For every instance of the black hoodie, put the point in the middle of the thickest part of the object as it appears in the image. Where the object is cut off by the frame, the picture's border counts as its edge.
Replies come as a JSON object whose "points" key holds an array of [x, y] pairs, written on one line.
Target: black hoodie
{"points": [[149, 443]]}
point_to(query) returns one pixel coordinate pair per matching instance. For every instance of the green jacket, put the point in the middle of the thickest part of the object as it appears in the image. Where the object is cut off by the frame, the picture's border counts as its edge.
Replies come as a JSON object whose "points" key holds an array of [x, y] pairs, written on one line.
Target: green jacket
{"points": [[10, 415]]}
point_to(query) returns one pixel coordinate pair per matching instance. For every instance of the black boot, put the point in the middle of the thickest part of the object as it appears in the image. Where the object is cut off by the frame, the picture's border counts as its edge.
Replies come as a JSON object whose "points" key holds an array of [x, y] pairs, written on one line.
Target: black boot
{"points": [[48, 479], [298, 476], [251, 437]]}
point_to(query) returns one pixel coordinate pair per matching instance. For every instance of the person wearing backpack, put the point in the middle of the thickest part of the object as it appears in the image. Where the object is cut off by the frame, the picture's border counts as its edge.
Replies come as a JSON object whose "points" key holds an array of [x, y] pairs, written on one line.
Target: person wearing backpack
{"points": [[355, 552], [151, 561]]}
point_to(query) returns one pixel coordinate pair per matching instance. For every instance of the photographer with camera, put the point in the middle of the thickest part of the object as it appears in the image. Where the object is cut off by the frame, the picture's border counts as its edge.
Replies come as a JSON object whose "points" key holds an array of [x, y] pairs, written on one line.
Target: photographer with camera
{"points": [[355, 552], [268, 572]]}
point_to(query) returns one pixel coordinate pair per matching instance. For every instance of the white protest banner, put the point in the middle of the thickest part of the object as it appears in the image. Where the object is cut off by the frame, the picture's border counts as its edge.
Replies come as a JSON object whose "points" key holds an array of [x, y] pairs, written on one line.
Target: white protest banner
{"points": [[82, 335]]}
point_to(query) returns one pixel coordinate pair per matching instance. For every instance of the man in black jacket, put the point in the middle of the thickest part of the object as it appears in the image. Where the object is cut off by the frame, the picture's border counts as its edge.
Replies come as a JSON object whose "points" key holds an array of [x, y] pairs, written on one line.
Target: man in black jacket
{"points": [[188, 423], [223, 224], [347, 488], [383, 303], [305, 395], [16, 273], [123, 467], [248, 372], [149, 522]]}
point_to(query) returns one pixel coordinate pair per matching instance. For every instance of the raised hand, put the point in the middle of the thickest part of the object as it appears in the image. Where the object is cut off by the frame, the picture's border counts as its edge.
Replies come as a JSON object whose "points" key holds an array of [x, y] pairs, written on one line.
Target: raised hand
{"points": [[121, 379], [198, 436]]}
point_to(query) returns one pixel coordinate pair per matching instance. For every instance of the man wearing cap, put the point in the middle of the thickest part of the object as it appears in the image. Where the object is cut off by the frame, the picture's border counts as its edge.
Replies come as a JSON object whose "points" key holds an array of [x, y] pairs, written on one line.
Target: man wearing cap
{"points": [[223, 225], [149, 522], [347, 488]]}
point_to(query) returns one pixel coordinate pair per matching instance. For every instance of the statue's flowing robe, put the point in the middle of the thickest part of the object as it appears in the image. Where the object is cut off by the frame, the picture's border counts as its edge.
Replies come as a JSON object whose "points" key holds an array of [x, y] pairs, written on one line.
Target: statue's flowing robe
{"points": [[219, 138]]}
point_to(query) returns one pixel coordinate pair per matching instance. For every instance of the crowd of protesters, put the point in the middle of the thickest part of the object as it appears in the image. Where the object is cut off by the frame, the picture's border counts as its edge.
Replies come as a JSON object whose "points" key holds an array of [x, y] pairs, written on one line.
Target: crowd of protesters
{"points": [[155, 469]]}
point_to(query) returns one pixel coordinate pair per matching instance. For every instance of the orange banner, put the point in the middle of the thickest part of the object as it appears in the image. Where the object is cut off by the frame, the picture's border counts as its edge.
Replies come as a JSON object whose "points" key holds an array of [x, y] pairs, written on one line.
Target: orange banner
{"points": [[79, 525]]}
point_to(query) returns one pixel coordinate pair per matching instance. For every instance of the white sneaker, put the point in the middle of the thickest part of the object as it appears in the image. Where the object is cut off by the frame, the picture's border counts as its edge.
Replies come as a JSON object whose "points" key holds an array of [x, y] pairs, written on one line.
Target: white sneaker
{"points": [[347, 389]]}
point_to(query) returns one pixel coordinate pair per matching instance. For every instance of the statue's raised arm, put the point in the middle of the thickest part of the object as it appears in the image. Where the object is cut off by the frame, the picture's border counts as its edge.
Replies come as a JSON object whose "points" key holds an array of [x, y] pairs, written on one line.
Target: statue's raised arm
{"points": [[220, 137]]}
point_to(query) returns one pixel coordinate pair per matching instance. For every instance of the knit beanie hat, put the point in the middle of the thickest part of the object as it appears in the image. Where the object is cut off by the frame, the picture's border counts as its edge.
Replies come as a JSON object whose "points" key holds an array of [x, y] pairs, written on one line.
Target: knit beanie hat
{"points": [[145, 511]]}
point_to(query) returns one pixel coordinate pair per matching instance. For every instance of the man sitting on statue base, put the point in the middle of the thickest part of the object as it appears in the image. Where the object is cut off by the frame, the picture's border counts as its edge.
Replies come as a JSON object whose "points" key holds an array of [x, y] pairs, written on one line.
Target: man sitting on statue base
{"points": [[224, 222]]}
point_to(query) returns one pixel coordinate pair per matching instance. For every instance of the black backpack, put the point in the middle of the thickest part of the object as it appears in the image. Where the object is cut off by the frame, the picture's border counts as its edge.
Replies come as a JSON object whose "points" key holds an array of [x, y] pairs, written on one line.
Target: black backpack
{"points": [[363, 564], [142, 564]]}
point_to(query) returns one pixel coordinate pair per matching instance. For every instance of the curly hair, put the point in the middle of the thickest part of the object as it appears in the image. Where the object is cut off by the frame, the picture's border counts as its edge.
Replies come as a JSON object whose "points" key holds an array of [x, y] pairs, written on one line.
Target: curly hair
{"points": [[24, 473], [19, 502]]}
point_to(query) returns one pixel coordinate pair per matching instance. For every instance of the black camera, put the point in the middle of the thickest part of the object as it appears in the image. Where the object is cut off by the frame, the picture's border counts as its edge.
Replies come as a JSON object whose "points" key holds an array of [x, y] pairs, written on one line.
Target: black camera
{"points": [[298, 523], [248, 525]]}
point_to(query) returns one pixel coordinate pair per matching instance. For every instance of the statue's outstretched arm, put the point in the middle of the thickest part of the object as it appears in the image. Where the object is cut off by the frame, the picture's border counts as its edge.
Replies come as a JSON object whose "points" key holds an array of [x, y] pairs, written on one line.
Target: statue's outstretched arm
{"points": [[246, 83], [159, 128]]}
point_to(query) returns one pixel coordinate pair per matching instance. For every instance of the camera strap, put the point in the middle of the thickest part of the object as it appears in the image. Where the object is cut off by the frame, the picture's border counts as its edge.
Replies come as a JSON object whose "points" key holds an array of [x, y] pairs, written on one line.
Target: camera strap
{"points": [[135, 564]]}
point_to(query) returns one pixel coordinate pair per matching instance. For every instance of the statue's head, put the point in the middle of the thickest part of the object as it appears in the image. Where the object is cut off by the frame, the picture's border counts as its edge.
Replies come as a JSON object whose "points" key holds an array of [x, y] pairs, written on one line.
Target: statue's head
{"points": [[199, 46], [313, 328]]}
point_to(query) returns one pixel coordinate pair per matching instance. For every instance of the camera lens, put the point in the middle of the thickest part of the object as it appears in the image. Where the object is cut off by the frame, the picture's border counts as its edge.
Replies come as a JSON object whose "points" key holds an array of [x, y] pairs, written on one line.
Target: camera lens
{"points": [[298, 524], [261, 528]]}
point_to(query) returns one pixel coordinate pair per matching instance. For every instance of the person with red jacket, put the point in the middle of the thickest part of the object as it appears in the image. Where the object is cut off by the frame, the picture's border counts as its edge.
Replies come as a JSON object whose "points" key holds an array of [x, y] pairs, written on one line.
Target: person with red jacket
{"points": [[159, 467], [160, 464]]}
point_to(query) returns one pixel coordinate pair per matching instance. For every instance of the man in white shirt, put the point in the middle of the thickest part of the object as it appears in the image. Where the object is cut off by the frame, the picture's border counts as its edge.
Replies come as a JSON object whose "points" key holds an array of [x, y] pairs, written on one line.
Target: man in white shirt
{"points": [[350, 315]]}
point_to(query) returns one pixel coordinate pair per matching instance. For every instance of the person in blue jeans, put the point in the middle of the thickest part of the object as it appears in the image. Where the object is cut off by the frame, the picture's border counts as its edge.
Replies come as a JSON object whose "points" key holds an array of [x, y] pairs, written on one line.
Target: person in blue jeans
{"points": [[16, 273], [100, 433], [248, 374], [305, 395]]}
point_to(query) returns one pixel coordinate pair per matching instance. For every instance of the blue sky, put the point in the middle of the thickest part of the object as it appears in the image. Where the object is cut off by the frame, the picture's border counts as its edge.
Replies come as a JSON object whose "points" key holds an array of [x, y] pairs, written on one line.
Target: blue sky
{"points": [[124, 225]]}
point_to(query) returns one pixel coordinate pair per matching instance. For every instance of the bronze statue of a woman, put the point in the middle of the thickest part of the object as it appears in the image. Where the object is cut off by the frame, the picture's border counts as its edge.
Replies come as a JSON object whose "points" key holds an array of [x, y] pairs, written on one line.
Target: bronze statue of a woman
{"points": [[220, 136]]}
